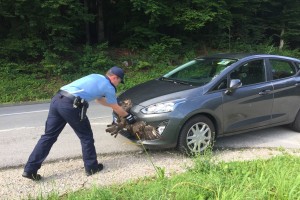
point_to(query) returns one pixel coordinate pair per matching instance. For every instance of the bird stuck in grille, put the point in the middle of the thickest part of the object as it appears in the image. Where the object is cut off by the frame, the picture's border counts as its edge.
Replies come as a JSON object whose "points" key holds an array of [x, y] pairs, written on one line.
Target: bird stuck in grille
{"points": [[140, 129]]}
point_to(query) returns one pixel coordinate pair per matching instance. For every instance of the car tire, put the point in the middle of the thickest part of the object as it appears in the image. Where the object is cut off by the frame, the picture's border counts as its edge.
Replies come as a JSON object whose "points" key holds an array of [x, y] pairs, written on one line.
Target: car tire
{"points": [[296, 123], [196, 136]]}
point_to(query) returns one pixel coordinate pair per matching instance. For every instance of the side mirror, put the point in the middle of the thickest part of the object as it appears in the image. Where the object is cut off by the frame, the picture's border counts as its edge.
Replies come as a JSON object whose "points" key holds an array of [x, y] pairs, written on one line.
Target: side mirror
{"points": [[234, 84]]}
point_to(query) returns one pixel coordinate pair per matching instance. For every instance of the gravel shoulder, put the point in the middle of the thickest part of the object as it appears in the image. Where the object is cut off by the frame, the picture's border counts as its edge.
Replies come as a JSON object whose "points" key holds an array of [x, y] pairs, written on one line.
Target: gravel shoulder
{"points": [[68, 175]]}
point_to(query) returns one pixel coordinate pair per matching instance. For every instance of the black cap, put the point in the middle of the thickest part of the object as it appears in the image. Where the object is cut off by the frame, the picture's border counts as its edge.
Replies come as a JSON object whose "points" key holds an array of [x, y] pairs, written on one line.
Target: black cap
{"points": [[118, 72]]}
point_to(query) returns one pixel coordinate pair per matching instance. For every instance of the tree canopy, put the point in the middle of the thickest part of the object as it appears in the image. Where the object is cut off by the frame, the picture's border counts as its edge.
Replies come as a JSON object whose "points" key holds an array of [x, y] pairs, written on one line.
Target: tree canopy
{"points": [[37, 30]]}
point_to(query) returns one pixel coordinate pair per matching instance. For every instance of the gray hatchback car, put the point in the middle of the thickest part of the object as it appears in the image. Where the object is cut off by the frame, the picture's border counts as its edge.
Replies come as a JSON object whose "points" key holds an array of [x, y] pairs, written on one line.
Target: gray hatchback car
{"points": [[217, 95]]}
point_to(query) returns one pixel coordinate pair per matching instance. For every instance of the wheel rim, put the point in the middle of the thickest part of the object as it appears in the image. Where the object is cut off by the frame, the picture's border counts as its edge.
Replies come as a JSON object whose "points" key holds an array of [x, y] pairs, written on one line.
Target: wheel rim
{"points": [[198, 137]]}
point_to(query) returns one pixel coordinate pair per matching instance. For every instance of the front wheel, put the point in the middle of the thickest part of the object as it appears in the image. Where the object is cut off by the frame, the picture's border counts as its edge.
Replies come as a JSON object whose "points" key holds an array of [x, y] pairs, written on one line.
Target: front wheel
{"points": [[196, 135], [295, 125]]}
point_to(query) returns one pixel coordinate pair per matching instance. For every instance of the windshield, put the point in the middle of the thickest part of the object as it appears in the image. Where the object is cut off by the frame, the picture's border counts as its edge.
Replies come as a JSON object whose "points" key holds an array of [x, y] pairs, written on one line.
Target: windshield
{"points": [[198, 72]]}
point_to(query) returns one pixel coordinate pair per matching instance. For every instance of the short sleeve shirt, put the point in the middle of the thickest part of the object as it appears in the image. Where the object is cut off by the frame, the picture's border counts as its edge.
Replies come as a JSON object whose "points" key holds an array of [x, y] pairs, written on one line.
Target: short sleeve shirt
{"points": [[91, 87]]}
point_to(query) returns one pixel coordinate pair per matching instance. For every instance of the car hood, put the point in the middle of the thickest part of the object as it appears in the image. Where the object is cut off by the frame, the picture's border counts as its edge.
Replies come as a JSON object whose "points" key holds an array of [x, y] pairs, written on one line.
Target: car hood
{"points": [[152, 89]]}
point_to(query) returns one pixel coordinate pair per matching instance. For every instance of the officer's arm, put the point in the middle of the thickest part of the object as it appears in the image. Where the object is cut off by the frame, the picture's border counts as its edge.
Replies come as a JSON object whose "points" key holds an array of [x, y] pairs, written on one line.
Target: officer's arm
{"points": [[118, 109], [102, 101]]}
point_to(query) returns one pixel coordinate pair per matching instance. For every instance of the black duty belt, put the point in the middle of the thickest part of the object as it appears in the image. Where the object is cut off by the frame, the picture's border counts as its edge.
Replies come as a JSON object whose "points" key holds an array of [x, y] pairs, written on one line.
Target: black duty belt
{"points": [[78, 103], [66, 94]]}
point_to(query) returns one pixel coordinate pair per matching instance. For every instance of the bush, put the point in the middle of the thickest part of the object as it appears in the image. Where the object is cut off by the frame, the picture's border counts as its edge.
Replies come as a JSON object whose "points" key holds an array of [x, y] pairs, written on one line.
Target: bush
{"points": [[39, 80], [94, 59]]}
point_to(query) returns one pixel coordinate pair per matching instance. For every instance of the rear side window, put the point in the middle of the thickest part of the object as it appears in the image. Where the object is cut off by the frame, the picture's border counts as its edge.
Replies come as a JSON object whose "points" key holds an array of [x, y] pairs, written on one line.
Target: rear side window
{"points": [[282, 69], [298, 66]]}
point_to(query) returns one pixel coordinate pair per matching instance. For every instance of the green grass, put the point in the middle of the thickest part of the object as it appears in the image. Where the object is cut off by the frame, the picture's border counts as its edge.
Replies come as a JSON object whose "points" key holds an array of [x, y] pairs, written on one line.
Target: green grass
{"points": [[25, 88], [16, 88], [277, 178]]}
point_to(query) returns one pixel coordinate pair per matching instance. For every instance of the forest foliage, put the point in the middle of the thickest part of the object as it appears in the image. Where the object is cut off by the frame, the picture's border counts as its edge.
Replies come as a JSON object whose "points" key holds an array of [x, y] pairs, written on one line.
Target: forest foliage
{"points": [[59, 38]]}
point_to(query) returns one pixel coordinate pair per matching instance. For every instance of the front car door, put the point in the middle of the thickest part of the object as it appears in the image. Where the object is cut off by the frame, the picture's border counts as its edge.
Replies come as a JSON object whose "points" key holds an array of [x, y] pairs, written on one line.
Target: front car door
{"points": [[249, 106]]}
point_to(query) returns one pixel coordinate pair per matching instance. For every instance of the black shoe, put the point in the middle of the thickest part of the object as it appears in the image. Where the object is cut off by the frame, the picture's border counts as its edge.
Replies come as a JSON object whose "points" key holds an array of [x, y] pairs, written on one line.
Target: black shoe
{"points": [[94, 171], [32, 176]]}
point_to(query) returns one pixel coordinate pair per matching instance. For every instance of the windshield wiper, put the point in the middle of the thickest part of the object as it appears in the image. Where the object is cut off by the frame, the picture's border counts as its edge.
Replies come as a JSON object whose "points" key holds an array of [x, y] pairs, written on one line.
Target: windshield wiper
{"points": [[167, 79], [176, 81], [183, 82]]}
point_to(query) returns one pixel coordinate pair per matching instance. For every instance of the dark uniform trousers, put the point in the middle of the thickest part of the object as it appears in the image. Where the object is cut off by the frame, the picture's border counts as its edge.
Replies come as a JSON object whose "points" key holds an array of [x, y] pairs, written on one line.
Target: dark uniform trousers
{"points": [[61, 112]]}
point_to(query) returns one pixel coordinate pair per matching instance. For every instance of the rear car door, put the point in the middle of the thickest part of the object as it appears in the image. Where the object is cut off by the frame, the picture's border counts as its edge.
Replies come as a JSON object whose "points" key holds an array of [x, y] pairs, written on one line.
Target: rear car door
{"points": [[286, 89], [249, 106]]}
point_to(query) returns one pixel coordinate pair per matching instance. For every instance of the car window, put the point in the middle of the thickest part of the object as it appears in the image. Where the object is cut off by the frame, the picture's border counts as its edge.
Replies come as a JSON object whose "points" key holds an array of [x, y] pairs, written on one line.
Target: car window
{"points": [[199, 72], [250, 72], [221, 85], [194, 71], [282, 69]]}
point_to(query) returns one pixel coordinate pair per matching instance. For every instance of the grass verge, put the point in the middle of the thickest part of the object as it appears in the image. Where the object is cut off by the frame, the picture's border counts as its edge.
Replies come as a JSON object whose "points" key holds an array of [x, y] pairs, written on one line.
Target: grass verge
{"points": [[276, 178], [26, 88]]}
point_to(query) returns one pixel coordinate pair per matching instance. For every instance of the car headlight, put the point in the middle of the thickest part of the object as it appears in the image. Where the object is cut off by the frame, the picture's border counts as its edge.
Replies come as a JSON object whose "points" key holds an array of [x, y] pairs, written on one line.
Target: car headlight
{"points": [[162, 107]]}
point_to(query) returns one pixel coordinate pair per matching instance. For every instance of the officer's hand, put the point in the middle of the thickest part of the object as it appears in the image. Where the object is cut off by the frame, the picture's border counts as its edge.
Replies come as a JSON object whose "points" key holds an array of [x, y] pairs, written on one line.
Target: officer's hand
{"points": [[130, 118]]}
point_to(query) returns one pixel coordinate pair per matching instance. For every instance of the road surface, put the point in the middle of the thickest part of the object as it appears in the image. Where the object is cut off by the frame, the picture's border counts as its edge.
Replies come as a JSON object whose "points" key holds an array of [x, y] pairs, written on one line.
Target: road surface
{"points": [[21, 126]]}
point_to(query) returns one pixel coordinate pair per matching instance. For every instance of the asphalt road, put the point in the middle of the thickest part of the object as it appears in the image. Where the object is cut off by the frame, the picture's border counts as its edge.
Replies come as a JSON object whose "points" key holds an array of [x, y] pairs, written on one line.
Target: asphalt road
{"points": [[22, 125]]}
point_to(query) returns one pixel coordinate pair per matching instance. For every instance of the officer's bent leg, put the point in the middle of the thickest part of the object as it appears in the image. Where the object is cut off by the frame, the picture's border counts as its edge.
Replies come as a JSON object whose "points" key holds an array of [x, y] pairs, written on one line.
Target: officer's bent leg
{"points": [[86, 137], [54, 125], [84, 132]]}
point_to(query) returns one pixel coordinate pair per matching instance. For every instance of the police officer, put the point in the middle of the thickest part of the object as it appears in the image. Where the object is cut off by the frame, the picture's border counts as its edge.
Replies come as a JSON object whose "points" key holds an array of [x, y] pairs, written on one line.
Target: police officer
{"points": [[69, 105]]}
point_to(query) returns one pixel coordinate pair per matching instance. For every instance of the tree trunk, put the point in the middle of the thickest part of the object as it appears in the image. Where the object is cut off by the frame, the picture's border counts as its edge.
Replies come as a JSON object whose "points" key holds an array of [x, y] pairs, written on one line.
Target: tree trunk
{"points": [[281, 43], [100, 25], [229, 38], [87, 25]]}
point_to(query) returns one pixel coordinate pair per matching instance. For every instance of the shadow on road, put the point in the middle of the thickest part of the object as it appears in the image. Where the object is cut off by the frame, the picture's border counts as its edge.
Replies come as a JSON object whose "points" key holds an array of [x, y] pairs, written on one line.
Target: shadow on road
{"points": [[268, 138]]}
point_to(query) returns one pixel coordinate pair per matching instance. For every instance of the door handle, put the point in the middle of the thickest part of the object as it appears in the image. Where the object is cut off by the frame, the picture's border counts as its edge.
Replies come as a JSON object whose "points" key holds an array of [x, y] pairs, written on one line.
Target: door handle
{"points": [[264, 92]]}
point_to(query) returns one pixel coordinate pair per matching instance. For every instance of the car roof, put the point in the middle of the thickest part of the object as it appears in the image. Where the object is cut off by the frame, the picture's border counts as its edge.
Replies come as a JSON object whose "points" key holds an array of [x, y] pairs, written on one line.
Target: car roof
{"points": [[239, 56], [236, 56]]}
